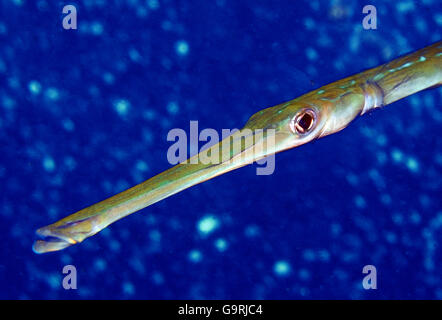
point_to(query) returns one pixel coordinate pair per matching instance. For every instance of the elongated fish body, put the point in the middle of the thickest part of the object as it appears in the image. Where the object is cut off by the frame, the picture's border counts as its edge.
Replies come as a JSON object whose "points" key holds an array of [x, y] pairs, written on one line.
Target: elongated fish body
{"points": [[318, 113]]}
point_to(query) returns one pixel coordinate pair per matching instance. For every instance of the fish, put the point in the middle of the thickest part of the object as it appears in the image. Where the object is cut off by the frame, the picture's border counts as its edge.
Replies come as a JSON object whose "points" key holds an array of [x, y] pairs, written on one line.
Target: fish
{"points": [[316, 114]]}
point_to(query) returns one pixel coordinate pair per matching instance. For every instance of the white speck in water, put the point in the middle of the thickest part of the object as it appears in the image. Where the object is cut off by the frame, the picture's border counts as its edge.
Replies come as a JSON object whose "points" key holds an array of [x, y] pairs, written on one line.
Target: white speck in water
{"points": [[438, 19], [8, 103], [381, 140], [397, 218], [304, 274], [405, 6], [221, 244], [122, 106], [412, 164], [134, 55], [352, 179], [251, 231], [18, 2], [207, 224], [142, 166], [311, 53], [360, 202], [281, 268], [128, 288], [172, 107], [167, 25], [324, 255], [309, 255], [153, 4], [390, 237], [155, 235], [52, 94], [114, 245], [53, 281], [415, 218], [96, 28], [182, 48], [195, 256], [397, 155], [34, 87], [68, 124], [70, 163], [108, 78], [48, 163], [309, 23], [100, 264], [157, 278]]}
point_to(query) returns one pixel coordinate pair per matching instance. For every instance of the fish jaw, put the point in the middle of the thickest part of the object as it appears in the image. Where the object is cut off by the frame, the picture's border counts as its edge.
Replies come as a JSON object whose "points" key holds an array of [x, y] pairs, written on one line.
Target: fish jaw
{"points": [[62, 234]]}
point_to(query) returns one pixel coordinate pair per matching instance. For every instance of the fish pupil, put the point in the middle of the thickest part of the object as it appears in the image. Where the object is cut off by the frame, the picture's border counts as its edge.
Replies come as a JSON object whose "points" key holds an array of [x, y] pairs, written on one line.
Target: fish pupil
{"points": [[305, 122]]}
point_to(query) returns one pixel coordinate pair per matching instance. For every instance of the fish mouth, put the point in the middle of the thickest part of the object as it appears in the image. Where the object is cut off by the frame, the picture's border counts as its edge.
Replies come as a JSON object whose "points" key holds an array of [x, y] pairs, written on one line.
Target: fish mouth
{"points": [[50, 241], [64, 233]]}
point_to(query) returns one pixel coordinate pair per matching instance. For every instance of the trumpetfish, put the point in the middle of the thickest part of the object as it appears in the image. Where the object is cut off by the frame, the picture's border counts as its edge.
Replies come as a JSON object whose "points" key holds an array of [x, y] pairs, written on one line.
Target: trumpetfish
{"points": [[316, 114]]}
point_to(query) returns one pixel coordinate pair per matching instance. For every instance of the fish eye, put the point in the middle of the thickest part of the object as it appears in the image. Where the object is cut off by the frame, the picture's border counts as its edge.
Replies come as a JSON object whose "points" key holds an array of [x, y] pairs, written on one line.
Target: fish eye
{"points": [[303, 121]]}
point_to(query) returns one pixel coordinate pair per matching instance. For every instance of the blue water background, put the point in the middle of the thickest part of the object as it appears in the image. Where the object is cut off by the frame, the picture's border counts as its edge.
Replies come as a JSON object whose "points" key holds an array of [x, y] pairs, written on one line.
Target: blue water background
{"points": [[85, 113]]}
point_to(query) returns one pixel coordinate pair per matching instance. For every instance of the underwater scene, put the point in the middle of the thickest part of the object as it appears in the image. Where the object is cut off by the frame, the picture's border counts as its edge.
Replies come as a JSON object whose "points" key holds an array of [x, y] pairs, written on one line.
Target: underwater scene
{"points": [[98, 96]]}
